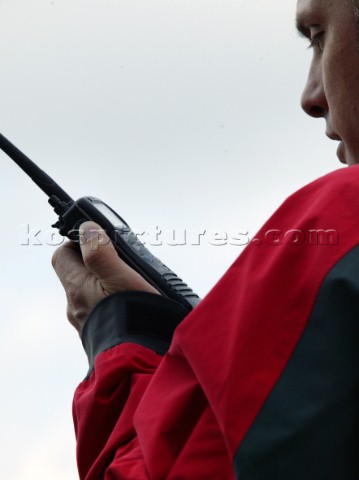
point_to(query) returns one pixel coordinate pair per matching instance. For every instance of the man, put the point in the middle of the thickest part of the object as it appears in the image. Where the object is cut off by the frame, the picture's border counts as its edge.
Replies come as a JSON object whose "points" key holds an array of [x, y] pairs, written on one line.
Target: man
{"points": [[260, 381], [334, 73]]}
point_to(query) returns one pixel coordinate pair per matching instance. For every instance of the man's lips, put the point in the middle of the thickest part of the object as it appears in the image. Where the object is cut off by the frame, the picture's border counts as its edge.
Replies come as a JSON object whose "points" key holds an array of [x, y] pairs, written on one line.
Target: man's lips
{"points": [[332, 135]]}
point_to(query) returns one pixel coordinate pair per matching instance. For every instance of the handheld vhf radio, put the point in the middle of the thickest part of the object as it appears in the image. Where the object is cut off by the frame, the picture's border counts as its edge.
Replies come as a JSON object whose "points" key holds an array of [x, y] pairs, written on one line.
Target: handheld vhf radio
{"points": [[72, 213]]}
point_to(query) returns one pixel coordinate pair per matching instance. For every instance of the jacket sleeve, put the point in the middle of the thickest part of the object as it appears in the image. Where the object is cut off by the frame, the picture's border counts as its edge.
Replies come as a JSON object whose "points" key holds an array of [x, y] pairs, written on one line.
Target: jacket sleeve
{"points": [[125, 337]]}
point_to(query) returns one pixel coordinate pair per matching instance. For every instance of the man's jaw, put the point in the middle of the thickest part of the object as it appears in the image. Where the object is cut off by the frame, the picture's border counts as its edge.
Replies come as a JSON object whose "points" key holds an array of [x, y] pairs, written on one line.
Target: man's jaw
{"points": [[346, 156]]}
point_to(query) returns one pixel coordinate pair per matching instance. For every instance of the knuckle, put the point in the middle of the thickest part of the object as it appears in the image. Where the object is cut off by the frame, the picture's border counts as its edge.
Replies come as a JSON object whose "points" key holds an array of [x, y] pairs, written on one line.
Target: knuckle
{"points": [[91, 257], [72, 318], [95, 260], [73, 296], [56, 257], [77, 315]]}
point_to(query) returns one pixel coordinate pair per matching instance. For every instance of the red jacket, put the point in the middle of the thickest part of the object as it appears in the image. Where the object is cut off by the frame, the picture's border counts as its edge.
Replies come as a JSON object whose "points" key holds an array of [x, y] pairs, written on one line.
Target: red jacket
{"points": [[260, 381]]}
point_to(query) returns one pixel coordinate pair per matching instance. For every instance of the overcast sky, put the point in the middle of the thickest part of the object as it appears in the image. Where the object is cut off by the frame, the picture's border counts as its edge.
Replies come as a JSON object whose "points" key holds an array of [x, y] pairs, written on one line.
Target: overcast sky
{"points": [[180, 114]]}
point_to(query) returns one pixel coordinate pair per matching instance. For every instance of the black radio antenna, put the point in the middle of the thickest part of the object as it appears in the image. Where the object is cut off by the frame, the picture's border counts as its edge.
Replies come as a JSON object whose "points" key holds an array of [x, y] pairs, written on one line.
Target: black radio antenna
{"points": [[42, 180]]}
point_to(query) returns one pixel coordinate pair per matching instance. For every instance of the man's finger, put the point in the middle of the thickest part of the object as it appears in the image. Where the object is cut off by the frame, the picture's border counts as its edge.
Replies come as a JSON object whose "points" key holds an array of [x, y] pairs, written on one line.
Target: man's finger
{"points": [[66, 260], [101, 258]]}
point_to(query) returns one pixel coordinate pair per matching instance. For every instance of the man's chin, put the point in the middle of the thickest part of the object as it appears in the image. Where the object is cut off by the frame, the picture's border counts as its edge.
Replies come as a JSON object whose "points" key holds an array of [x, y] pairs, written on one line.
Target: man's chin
{"points": [[341, 154], [346, 157]]}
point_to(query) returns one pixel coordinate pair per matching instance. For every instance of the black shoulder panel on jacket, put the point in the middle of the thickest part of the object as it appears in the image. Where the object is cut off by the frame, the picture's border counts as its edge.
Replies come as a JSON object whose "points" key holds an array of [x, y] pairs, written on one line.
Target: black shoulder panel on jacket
{"points": [[308, 429]]}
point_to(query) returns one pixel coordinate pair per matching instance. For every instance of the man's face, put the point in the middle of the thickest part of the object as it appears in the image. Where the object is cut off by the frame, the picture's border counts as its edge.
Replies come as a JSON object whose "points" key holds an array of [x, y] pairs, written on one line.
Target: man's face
{"points": [[332, 89]]}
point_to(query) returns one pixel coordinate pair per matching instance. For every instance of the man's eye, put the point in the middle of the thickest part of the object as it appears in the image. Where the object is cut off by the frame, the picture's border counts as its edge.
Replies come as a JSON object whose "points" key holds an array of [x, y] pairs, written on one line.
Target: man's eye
{"points": [[317, 41]]}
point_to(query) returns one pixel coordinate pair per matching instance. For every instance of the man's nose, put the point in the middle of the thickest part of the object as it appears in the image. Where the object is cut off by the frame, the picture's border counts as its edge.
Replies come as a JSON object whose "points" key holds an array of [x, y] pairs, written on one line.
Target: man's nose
{"points": [[313, 100]]}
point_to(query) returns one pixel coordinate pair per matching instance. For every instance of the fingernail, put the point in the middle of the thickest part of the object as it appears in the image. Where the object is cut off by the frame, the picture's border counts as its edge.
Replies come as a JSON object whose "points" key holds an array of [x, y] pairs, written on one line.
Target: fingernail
{"points": [[89, 232]]}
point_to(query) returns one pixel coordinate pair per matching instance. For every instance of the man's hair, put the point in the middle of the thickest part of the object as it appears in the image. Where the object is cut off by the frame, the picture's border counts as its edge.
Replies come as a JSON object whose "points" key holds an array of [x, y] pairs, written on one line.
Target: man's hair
{"points": [[355, 4]]}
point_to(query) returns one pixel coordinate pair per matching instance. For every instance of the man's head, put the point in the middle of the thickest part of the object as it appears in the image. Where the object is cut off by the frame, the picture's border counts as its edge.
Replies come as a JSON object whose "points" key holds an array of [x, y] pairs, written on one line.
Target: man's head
{"points": [[332, 89]]}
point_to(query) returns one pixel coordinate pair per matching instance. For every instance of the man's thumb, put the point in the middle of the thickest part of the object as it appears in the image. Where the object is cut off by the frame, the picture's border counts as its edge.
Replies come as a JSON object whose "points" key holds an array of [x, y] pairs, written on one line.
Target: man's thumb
{"points": [[101, 258], [98, 253]]}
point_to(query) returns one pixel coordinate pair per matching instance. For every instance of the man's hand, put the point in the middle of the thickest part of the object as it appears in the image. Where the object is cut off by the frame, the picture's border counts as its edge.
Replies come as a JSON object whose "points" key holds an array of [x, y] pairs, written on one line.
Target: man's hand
{"points": [[91, 275]]}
